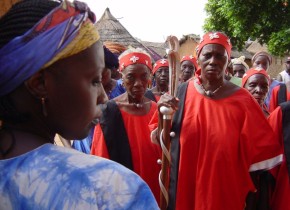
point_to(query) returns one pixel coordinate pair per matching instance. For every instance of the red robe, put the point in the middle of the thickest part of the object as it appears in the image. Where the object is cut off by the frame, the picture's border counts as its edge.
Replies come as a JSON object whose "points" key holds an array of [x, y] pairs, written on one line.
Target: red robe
{"points": [[220, 142], [144, 153], [281, 194], [274, 99]]}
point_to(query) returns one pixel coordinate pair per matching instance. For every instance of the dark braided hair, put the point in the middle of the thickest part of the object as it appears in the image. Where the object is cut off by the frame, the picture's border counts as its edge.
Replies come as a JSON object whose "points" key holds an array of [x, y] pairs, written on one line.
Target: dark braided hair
{"points": [[22, 17], [18, 20]]}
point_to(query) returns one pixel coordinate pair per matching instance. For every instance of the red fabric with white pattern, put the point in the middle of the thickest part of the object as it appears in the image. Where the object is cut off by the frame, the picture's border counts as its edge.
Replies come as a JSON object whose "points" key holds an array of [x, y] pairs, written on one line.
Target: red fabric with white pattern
{"points": [[135, 58], [215, 38], [160, 63]]}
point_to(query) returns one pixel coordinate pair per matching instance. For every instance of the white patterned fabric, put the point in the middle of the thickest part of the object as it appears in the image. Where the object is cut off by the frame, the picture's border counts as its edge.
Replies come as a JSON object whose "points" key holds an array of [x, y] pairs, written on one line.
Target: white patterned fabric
{"points": [[52, 177]]}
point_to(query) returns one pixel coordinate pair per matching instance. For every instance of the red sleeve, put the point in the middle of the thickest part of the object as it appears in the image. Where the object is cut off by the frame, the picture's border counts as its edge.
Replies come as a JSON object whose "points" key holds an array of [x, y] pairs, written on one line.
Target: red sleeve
{"points": [[275, 121], [274, 99], [260, 142], [153, 124], [99, 147]]}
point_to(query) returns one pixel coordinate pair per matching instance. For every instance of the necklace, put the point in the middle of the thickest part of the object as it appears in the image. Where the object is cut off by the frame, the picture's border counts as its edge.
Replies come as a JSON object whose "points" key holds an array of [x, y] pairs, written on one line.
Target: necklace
{"points": [[210, 93], [137, 105], [159, 93]]}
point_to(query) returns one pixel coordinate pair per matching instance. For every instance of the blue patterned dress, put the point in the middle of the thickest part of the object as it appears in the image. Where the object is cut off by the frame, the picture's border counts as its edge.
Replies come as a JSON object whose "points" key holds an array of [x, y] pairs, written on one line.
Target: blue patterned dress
{"points": [[52, 177]]}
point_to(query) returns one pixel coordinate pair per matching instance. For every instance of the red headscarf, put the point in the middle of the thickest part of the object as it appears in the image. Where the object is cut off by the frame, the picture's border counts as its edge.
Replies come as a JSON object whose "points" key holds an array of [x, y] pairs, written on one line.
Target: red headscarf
{"points": [[160, 63], [191, 59], [215, 38], [135, 58], [251, 72]]}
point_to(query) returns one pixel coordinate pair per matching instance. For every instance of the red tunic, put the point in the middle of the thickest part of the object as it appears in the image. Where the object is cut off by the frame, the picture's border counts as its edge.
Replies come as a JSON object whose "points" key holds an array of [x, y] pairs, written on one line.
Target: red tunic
{"points": [[274, 99], [144, 153], [220, 142], [281, 194]]}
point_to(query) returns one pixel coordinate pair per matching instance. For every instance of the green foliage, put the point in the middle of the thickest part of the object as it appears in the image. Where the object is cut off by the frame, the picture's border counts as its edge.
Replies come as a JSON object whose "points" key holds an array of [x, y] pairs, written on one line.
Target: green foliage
{"points": [[268, 21]]}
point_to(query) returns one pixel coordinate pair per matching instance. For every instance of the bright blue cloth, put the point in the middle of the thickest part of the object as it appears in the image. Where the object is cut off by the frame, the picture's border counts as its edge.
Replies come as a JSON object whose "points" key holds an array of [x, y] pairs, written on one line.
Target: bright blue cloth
{"points": [[53, 177], [84, 145], [118, 90]]}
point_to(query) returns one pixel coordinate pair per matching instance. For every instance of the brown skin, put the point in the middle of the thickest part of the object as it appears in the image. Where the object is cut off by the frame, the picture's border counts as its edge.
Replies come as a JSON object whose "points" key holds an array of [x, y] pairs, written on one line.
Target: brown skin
{"points": [[162, 80], [135, 80], [262, 62], [187, 70], [258, 86], [72, 88], [213, 61], [239, 70], [108, 83]]}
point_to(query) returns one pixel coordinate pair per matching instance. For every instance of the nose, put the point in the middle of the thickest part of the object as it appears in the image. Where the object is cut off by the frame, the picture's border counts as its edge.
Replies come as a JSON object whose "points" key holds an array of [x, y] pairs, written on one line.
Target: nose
{"points": [[163, 73], [258, 89], [138, 82], [102, 97], [213, 60]]}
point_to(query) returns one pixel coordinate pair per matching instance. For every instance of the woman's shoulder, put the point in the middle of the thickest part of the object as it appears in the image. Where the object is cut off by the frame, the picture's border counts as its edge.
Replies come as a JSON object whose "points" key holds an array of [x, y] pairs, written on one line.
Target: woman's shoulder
{"points": [[87, 180]]}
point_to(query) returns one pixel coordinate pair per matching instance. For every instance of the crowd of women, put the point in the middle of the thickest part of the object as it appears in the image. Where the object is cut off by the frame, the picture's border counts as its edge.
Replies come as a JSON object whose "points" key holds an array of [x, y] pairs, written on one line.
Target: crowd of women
{"points": [[231, 143]]}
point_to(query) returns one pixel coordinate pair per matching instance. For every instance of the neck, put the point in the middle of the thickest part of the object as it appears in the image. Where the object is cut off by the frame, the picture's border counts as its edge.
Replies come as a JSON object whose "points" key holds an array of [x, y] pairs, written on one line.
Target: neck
{"points": [[132, 100], [212, 85], [35, 130], [162, 88]]}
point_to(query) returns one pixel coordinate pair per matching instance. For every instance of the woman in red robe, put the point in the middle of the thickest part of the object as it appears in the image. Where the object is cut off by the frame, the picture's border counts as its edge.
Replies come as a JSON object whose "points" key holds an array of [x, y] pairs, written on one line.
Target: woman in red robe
{"points": [[161, 75], [257, 81], [123, 134], [221, 135], [280, 121]]}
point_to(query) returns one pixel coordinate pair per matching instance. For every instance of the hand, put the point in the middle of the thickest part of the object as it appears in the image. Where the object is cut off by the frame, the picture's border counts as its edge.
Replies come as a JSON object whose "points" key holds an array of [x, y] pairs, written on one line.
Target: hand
{"points": [[168, 101]]}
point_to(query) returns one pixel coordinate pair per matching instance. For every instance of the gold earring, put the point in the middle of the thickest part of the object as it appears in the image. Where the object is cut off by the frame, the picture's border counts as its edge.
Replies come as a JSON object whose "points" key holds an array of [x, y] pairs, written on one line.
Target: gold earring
{"points": [[44, 111]]}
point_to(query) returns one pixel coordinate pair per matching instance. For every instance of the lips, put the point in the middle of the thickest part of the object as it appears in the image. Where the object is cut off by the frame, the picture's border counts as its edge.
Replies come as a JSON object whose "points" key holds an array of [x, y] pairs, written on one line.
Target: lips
{"points": [[98, 115]]}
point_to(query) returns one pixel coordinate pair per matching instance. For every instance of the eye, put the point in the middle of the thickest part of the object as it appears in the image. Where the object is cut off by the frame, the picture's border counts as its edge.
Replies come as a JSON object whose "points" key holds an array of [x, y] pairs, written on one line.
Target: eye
{"points": [[130, 77], [145, 76], [96, 82], [207, 55], [252, 85]]}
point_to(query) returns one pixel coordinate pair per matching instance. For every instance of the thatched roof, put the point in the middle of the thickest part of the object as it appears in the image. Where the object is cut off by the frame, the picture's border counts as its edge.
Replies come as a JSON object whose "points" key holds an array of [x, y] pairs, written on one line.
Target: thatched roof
{"points": [[236, 54], [159, 47], [112, 30]]}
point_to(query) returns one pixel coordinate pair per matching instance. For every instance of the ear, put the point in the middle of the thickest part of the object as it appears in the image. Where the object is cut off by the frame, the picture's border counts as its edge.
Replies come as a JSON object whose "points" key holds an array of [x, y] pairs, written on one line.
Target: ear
{"points": [[36, 85]]}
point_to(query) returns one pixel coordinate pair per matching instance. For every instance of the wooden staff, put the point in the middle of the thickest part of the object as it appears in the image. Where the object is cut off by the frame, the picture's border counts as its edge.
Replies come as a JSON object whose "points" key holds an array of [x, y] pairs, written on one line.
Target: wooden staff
{"points": [[167, 114]]}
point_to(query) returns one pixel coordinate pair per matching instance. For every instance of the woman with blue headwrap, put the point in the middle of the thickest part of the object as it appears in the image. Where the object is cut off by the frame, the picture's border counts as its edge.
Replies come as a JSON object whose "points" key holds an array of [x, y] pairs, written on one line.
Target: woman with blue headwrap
{"points": [[51, 63]]}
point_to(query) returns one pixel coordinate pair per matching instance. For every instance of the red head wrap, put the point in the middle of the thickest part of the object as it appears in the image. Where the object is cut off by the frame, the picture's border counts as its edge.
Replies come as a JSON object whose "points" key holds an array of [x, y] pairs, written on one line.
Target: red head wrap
{"points": [[135, 58], [160, 63], [251, 72], [215, 38], [191, 59]]}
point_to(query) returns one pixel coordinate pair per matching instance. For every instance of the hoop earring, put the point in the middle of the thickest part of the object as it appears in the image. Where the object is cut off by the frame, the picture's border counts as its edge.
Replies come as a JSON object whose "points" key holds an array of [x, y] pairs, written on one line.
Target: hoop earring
{"points": [[44, 111]]}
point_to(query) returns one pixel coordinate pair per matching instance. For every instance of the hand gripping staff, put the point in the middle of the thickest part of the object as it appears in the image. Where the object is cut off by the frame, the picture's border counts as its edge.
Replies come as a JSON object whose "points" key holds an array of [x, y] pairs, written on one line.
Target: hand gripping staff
{"points": [[167, 114]]}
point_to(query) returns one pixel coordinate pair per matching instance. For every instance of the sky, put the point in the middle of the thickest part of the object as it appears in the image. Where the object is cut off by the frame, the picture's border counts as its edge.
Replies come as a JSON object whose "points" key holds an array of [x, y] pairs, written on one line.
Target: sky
{"points": [[154, 20]]}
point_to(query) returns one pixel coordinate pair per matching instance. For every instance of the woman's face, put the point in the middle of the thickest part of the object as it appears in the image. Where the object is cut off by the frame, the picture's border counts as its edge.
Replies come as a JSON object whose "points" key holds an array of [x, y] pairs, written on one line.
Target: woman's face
{"points": [[187, 70], [262, 62], [75, 89], [135, 79], [258, 86], [239, 70], [213, 61], [106, 76], [162, 76]]}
